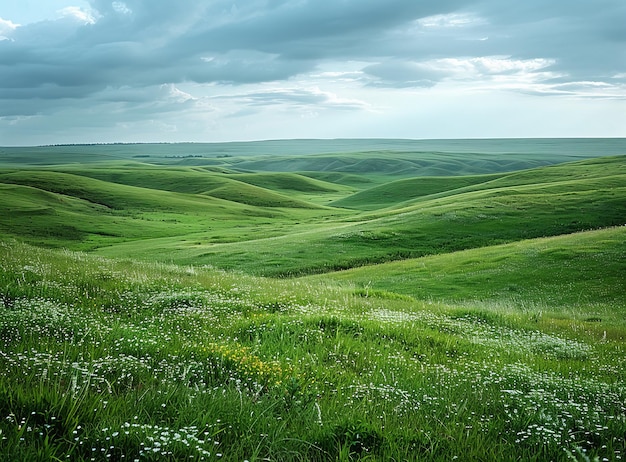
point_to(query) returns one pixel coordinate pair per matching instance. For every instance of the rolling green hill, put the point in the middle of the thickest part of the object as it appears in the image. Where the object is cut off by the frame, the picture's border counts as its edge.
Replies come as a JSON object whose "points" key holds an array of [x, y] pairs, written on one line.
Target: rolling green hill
{"points": [[193, 181], [401, 191], [391, 163], [123, 360], [277, 223], [507, 154], [581, 273], [480, 313], [396, 192], [113, 196], [54, 208], [591, 196], [290, 182]]}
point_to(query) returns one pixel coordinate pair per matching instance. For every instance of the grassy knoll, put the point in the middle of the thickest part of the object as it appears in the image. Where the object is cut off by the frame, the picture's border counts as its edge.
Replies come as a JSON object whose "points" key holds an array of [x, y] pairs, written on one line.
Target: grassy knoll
{"points": [[265, 190], [279, 224], [121, 360], [579, 275], [402, 192], [58, 208], [399, 191], [524, 151], [156, 179]]}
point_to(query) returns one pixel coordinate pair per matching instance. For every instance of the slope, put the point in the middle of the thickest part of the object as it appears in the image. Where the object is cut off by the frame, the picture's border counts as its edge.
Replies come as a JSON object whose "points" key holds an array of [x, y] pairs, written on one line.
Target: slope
{"points": [[400, 193], [396, 192], [592, 196], [191, 181], [79, 212], [121, 360], [580, 273]]}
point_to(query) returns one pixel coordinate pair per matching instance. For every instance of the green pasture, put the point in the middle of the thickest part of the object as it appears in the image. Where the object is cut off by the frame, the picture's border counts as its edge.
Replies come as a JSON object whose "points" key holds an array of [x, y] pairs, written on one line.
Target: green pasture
{"points": [[399, 191], [77, 211], [314, 300], [591, 197], [286, 224], [117, 359], [577, 275]]}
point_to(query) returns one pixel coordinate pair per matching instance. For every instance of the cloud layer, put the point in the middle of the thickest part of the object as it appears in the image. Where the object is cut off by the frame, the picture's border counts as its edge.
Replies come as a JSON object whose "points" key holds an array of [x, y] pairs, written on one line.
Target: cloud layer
{"points": [[107, 64]]}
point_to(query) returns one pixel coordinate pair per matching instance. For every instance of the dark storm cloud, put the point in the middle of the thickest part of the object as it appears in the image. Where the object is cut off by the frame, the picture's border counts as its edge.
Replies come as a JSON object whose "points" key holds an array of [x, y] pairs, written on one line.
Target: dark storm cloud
{"points": [[404, 43]]}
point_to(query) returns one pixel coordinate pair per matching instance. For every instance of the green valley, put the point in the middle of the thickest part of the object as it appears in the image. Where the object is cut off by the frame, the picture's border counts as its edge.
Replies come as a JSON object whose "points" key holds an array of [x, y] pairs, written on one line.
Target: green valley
{"points": [[329, 300]]}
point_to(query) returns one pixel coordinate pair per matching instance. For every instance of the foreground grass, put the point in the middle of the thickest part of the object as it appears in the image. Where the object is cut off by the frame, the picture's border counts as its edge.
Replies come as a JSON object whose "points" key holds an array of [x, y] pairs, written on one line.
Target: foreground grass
{"points": [[119, 360]]}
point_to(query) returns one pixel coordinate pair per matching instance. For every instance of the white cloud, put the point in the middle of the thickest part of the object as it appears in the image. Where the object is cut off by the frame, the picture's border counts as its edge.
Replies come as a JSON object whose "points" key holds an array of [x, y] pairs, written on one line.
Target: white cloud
{"points": [[490, 67], [175, 94], [451, 20], [403, 74], [121, 7], [311, 99], [341, 75], [579, 90], [7, 28], [338, 63], [77, 13]]}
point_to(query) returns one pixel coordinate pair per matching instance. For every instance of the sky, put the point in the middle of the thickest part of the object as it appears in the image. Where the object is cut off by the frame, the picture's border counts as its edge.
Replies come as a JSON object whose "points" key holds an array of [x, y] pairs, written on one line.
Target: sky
{"points": [[101, 71]]}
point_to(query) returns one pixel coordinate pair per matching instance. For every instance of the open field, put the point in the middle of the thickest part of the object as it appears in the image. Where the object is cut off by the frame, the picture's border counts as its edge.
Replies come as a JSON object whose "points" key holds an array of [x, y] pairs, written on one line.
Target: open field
{"points": [[107, 359], [589, 195], [334, 300], [581, 274]]}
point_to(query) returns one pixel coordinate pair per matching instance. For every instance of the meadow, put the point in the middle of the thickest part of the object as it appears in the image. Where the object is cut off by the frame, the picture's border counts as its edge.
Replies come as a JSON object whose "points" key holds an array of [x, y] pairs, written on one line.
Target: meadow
{"points": [[314, 300]]}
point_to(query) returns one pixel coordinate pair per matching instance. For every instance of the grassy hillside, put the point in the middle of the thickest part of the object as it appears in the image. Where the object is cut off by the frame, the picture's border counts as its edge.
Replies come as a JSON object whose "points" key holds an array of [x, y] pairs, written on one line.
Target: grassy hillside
{"points": [[391, 163], [118, 197], [400, 191], [581, 274], [56, 220], [61, 209], [159, 179], [396, 192], [289, 182], [266, 190], [482, 315], [258, 222], [504, 154], [357, 181], [116, 359], [591, 196], [34, 214]]}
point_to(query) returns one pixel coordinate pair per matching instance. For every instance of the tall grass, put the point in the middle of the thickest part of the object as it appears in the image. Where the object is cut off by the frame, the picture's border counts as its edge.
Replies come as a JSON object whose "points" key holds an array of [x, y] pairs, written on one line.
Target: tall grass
{"points": [[120, 360], [578, 274]]}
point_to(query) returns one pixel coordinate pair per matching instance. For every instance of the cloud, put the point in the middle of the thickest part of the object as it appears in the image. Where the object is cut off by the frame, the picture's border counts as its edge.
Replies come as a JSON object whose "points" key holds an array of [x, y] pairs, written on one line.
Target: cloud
{"points": [[83, 16], [148, 43], [490, 69], [299, 54], [402, 74], [7, 28], [298, 98], [121, 7], [243, 66], [451, 20], [584, 90]]}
